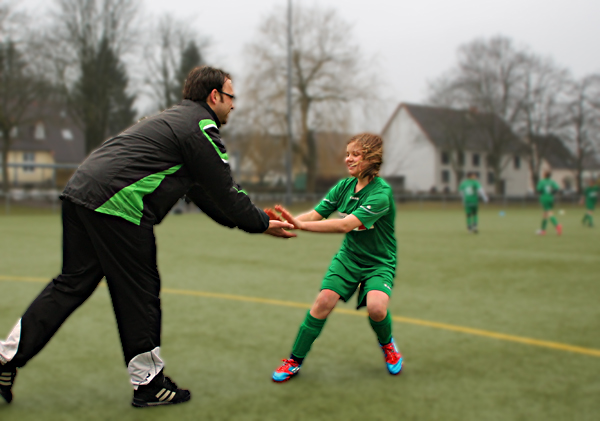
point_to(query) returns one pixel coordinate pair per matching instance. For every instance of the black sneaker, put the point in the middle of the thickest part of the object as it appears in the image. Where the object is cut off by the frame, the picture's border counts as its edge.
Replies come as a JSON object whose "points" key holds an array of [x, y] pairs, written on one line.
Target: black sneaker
{"points": [[160, 391], [7, 379]]}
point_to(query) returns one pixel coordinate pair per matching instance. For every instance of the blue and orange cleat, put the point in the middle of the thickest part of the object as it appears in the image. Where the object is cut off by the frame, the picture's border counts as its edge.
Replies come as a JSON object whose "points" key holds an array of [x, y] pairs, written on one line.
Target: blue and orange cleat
{"points": [[288, 369], [393, 358]]}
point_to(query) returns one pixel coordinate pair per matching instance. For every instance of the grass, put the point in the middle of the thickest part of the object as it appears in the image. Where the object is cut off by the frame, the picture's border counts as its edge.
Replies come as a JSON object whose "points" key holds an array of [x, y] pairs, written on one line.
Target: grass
{"points": [[504, 280]]}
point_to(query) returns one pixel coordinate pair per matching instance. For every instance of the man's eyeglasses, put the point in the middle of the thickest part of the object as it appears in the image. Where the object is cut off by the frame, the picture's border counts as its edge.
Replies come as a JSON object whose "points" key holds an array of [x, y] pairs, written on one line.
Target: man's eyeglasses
{"points": [[229, 95]]}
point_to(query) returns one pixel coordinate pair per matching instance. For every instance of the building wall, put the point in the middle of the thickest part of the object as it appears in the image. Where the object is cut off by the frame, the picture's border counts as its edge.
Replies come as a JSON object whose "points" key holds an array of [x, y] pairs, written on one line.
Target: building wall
{"points": [[453, 181], [517, 180], [32, 175], [408, 153]]}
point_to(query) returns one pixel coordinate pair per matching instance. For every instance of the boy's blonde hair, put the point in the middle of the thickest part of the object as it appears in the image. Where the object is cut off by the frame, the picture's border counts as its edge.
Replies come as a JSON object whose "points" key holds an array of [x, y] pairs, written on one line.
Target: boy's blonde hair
{"points": [[371, 146]]}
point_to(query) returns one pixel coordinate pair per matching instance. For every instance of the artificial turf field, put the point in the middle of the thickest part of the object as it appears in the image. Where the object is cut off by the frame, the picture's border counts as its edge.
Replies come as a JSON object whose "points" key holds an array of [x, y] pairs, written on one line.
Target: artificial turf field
{"points": [[232, 303]]}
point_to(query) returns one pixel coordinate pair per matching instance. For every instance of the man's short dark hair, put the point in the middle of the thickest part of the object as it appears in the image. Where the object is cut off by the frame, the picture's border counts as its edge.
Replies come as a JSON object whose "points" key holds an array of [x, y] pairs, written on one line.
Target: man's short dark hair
{"points": [[201, 81]]}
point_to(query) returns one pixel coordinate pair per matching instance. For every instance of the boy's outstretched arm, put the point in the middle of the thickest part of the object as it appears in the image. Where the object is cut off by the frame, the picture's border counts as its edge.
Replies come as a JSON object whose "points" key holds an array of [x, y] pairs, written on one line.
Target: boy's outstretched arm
{"points": [[312, 221]]}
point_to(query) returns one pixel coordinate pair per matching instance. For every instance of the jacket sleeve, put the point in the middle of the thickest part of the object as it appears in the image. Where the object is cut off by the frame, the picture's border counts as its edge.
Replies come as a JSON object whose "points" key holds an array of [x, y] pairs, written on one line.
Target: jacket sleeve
{"points": [[205, 157], [197, 195]]}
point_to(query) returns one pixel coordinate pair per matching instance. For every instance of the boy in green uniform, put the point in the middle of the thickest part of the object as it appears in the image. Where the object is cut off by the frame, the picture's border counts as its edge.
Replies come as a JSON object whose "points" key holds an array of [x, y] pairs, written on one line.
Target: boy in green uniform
{"points": [[367, 258], [470, 190], [590, 196], [547, 188]]}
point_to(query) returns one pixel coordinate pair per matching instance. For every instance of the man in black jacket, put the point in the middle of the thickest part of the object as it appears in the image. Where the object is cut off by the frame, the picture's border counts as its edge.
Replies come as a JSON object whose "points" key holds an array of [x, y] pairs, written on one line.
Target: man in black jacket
{"points": [[110, 206]]}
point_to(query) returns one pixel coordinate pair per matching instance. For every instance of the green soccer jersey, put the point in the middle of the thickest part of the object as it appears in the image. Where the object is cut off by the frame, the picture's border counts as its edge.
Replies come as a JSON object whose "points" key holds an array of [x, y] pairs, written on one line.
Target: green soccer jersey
{"points": [[374, 242], [470, 191], [546, 188], [591, 195]]}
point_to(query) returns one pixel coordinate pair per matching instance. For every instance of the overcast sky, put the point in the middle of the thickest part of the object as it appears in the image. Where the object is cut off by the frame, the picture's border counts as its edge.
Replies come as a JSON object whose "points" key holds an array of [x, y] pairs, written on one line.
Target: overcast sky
{"points": [[414, 41]]}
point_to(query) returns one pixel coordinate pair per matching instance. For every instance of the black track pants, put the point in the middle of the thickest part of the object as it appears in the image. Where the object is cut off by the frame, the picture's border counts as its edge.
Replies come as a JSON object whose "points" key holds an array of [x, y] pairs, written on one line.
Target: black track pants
{"points": [[96, 246]]}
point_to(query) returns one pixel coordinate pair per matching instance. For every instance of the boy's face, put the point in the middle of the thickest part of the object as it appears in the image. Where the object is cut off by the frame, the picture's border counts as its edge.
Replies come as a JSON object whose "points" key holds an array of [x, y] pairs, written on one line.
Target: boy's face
{"points": [[354, 159]]}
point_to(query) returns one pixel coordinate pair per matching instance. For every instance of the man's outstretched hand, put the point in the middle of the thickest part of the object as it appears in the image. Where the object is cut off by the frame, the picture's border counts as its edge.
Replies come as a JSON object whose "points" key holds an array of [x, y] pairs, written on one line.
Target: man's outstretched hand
{"points": [[278, 229]]}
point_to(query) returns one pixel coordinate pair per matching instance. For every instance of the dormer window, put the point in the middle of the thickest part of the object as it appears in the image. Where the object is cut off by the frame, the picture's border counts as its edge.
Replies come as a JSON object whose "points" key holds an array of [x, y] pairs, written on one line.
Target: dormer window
{"points": [[67, 134], [39, 132]]}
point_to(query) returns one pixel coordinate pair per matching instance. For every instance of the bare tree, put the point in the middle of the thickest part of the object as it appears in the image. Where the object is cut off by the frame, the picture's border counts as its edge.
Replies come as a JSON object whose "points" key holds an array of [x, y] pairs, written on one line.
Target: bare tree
{"points": [[330, 75], [171, 53], [581, 122], [89, 39], [491, 75], [545, 87], [21, 81]]}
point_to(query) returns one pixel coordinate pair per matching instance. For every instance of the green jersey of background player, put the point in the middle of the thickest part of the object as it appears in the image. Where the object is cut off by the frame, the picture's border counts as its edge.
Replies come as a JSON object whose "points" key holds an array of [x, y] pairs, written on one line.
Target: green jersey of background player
{"points": [[470, 190], [367, 258], [590, 197], [547, 188]]}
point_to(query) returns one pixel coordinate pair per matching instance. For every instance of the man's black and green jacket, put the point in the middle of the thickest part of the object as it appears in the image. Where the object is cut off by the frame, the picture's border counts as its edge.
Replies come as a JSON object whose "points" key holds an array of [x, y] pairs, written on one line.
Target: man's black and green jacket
{"points": [[141, 173]]}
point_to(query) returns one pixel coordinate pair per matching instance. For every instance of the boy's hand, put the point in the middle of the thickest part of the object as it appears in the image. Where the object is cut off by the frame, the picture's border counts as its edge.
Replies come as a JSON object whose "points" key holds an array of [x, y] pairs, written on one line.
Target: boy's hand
{"points": [[288, 217], [273, 215]]}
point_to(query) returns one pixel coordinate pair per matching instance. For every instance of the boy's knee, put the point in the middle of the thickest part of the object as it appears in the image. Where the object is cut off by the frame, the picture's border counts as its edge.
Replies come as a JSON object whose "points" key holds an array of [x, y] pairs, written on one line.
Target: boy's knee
{"points": [[377, 312]]}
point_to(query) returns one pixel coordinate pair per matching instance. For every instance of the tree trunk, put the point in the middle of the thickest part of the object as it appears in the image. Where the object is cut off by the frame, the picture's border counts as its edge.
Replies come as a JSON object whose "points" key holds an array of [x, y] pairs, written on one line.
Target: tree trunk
{"points": [[311, 167], [5, 151]]}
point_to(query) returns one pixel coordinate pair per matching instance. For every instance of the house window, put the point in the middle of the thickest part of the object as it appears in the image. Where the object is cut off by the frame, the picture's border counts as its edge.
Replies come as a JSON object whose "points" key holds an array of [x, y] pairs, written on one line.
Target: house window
{"points": [[475, 159], [445, 176], [445, 158], [517, 162], [39, 132], [67, 134], [568, 183], [28, 157], [461, 159], [491, 179]]}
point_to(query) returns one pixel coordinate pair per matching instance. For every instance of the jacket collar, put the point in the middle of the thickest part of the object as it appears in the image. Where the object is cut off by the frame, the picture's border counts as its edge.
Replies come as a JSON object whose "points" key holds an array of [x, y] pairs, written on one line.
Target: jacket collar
{"points": [[210, 111]]}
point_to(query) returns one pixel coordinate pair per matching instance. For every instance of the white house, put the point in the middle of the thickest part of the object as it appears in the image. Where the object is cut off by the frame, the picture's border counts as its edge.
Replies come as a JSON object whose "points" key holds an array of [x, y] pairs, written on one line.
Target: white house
{"points": [[432, 149]]}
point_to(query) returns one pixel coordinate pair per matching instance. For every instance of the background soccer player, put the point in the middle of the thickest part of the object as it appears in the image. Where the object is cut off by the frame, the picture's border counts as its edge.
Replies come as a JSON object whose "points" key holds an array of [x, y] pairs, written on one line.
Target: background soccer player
{"points": [[590, 197], [470, 190], [367, 259], [547, 188]]}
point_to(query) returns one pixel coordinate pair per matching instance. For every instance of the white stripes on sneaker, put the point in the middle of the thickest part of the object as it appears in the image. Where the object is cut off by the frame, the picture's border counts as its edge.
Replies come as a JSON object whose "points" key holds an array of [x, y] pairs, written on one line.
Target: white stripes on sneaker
{"points": [[6, 379], [165, 395]]}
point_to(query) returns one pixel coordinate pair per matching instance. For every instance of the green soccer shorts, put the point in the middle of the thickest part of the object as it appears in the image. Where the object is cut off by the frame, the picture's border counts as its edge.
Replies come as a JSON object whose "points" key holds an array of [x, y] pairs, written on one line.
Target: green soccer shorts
{"points": [[547, 205], [345, 276], [471, 209], [589, 205]]}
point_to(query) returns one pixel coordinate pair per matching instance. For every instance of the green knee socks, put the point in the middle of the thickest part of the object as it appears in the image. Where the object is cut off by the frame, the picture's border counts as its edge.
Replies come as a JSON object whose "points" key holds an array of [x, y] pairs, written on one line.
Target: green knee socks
{"points": [[309, 331], [383, 329]]}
